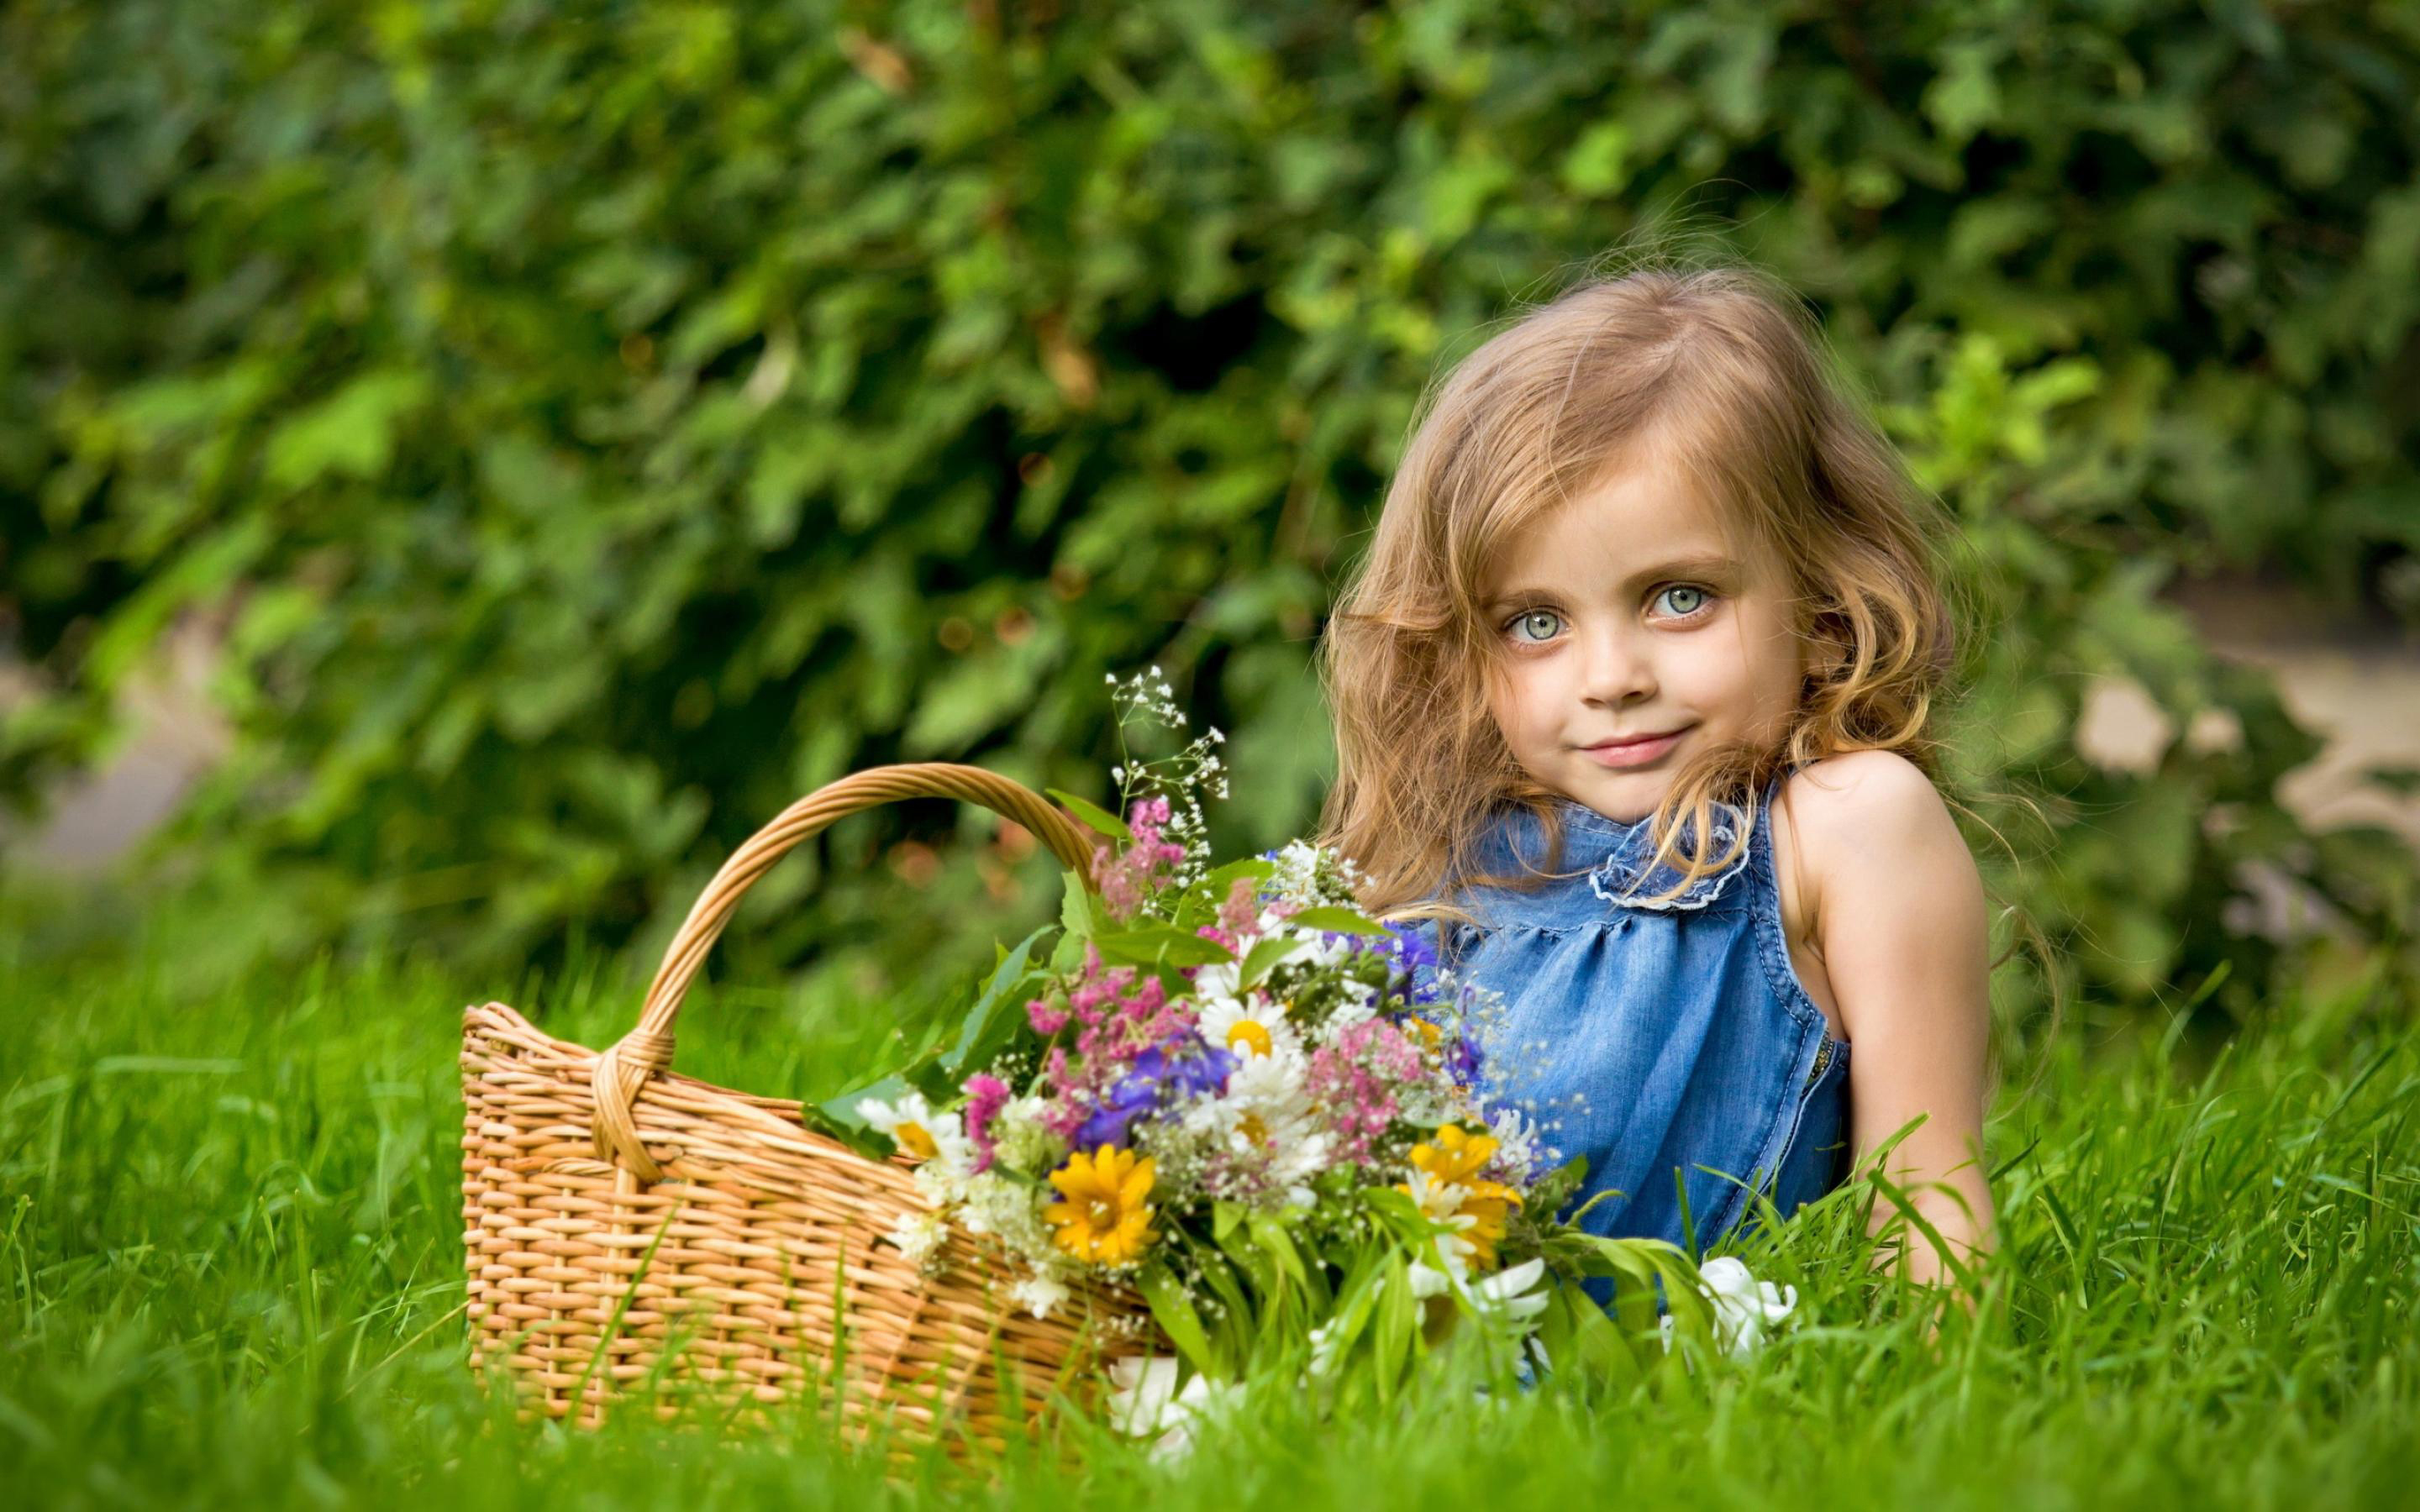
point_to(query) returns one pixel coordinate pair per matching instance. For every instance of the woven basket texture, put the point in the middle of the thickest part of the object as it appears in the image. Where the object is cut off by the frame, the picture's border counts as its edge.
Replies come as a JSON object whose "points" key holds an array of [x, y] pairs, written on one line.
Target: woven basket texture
{"points": [[632, 1230]]}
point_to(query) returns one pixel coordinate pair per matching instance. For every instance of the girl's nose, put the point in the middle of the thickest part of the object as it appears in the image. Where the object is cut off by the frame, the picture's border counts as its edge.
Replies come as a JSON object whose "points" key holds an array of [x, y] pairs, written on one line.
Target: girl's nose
{"points": [[1618, 669]]}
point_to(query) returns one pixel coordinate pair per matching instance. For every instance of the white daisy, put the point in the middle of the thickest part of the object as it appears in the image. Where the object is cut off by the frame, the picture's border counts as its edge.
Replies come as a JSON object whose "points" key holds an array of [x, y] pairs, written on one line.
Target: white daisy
{"points": [[1272, 1086], [1249, 1027], [1221, 979], [1271, 1118], [1440, 1202], [907, 1122], [1265, 1122], [936, 1141]]}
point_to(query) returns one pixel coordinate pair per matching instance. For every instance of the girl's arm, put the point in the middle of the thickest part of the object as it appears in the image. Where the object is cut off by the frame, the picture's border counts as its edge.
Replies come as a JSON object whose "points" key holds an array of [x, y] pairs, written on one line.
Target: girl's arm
{"points": [[1894, 909]]}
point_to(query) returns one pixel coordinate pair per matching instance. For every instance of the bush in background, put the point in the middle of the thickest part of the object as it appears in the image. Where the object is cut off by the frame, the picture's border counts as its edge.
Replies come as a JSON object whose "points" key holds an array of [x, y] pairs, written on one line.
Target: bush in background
{"points": [[596, 426]]}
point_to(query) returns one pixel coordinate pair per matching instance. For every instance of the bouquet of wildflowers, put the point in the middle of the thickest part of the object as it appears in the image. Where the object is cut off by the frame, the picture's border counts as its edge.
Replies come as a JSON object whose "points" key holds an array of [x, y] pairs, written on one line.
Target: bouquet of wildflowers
{"points": [[1229, 1089]]}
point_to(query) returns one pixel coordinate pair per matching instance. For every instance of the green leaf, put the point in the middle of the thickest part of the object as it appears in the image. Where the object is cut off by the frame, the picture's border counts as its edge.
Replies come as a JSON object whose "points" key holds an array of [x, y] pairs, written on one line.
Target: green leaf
{"points": [[1069, 952], [926, 1074], [1556, 1323], [1160, 944], [1268, 955], [1393, 1338], [1238, 1324], [1079, 910], [838, 1116], [1257, 1267], [859, 1136], [1224, 1216], [1595, 166], [1396, 1210], [1271, 1232], [1173, 1311], [1359, 1295], [973, 699], [1555, 1188], [1339, 921], [1597, 1347], [997, 1011], [1093, 816], [349, 434], [1218, 884]]}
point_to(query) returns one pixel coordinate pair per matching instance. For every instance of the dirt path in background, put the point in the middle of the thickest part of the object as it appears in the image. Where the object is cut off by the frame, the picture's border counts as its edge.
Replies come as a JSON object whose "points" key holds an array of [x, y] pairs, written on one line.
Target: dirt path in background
{"points": [[2359, 688]]}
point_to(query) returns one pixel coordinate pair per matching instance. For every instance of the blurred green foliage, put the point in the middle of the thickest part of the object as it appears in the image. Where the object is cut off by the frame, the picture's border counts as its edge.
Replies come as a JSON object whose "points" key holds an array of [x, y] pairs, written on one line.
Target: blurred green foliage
{"points": [[601, 424]]}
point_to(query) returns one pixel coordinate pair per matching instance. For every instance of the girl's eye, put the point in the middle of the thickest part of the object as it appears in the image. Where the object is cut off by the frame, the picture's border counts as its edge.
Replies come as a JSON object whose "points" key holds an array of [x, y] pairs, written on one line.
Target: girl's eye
{"points": [[1680, 601], [1530, 617]]}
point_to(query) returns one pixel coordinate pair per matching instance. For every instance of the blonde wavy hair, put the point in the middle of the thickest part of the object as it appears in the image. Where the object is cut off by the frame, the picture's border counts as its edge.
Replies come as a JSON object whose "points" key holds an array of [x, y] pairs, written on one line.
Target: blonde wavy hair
{"points": [[1720, 371]]}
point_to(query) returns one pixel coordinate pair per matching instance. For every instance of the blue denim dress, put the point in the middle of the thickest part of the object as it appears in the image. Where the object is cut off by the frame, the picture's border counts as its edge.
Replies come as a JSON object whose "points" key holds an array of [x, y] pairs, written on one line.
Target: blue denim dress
{"points": [[1695, 1054]]}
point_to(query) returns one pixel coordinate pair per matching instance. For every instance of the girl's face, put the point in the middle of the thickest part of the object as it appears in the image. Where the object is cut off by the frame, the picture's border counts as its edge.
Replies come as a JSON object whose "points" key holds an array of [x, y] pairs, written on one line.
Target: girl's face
{"points": [[1632, 632]]}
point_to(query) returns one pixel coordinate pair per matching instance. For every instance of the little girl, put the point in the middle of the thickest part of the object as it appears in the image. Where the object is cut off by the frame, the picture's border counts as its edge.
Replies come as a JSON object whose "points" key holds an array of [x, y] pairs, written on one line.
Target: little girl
{"points": [[1632, 693]]}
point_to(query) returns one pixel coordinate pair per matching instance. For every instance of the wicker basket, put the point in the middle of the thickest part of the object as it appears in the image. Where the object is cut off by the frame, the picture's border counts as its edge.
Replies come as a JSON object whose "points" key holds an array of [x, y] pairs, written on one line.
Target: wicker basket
{"points": [[632, 1228]]}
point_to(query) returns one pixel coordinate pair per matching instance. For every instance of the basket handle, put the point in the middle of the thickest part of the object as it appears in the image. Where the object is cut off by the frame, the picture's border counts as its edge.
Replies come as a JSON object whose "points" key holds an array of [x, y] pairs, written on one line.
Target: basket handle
{"points": [[625, 1066]]}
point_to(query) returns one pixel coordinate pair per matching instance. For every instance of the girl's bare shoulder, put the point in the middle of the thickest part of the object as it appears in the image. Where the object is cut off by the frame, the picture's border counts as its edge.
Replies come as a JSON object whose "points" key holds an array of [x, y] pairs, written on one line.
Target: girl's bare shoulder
{"points": [[1878, 793], [1867, 825]]}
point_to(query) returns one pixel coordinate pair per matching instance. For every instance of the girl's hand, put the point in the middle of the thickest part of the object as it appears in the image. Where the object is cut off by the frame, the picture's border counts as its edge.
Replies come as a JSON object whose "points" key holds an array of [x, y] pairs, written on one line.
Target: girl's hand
{"points": [[1886, 917]]}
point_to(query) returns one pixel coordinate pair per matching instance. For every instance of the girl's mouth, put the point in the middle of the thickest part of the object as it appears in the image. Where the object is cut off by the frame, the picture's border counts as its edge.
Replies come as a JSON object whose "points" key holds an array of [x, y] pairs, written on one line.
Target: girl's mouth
{"points": [[1635, 750]]}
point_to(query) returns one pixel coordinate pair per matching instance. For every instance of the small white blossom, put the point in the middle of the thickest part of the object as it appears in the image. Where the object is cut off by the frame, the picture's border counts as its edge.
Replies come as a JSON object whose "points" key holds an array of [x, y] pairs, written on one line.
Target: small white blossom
{"points": [[920, 1237], [1744, 1306], [1508, 1295], [1145, 1400], [1516, 1144], [1510, 1301], [1324, 1348], [1019, 1141], [1037, 1294]]}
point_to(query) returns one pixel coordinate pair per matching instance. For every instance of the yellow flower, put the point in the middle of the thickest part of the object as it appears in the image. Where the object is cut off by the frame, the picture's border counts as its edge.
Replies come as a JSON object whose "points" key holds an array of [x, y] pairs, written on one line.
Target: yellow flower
{"points": [[1105, 1219], [915, 1140], [1453, 1164], [1456, 1156], [1485, 1207]]}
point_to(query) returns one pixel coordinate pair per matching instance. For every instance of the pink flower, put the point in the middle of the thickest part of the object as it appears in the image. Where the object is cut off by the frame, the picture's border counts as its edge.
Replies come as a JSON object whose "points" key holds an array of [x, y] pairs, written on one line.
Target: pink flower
{"points": [[1126, 879], [1355, 1082], [986, 1095], [1115, 879], [1118, 1014], [1242, 909]]}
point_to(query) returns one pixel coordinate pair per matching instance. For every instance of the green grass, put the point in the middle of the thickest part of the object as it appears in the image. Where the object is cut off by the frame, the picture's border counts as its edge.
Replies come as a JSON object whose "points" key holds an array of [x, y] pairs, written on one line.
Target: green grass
{"points": [[229, 1270]]}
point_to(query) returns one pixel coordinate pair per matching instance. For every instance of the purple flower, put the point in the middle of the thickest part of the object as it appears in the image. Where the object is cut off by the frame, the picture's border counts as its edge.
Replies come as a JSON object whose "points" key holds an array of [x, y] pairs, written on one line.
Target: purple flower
{"points": [[1410, 950], [1187, 1064], [1463, 1059], [1107, 1123], [1178, 1069]]}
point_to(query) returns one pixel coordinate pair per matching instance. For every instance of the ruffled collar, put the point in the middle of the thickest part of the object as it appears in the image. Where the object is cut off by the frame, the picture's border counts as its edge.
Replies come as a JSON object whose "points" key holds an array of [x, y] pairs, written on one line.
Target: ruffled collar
{"points": [[1620, 856]]}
